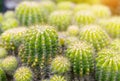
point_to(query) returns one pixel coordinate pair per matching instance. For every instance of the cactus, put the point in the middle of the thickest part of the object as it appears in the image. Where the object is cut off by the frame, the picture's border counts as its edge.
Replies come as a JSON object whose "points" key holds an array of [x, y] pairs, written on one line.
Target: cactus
{"points": [[66, 5], [60, 65], [39, 46], [2, 75], [107, 65], [9, 23], [9, 14], [81, 57], [3, 53], [23, 74], [9, 64], [95, 35], [12, 38], [101, 11], [57, 78], [29, 13], [73, 30], [82, 18], [1, 17], [60, 19]]}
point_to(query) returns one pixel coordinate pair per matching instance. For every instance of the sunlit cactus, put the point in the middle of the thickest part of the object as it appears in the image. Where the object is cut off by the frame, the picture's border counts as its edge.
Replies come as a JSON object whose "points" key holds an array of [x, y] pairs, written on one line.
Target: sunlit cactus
{"points": [[57, 78], [73, 30], [2, 75], [9, 14], [3, 53]]}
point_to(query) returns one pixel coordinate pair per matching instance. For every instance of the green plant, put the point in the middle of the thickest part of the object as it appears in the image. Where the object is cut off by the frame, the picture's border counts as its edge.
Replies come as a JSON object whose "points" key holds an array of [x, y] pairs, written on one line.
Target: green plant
{"points": [[60, 65], [23, 74], [2, 75], [57, 78], [107, 65], [9, 14], [3, 53], [73, 30], [1, 17], [95, 35], [60, 19], [9, 64], [81, 56]]}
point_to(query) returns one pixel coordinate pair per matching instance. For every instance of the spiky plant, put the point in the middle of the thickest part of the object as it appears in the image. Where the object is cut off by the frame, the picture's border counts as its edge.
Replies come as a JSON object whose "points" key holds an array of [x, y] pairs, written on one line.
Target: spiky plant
{"points": [[60, 65], [66, 5], [9, 14], [82, 18], [2, 75], [81, 56], [30, 13], [39, 46], [73, 30], [9, 64], [12, 38], [60, 19], [101, 11], [95, 35], [107, 65], [9, 23], [23, 74], [3, 53], [57, 78]]}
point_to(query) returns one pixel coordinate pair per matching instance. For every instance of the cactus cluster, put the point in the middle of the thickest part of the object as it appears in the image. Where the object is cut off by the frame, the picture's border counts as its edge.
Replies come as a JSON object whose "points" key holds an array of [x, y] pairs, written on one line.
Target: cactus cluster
{"points": [[57, 78], [2, 75]]}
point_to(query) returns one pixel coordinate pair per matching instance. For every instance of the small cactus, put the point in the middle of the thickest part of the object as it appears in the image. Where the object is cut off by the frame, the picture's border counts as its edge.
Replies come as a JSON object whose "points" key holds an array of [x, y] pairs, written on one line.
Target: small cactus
{"points": [[73, 30], [81, 57], [3, 53], [60, 19], [9, 14], [60, 65], [9, 64], [95, 35], [57, 78], [23, 74], [107, 65], [2, 75]]}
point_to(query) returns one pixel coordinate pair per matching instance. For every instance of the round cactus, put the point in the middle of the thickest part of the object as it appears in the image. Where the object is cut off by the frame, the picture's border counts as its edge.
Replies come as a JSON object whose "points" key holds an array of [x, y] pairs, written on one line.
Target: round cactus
{"points": [[29, 13], [60, 64], [107, 67], [3, 53], [9, 23], [57, 78], [60, 19], [12, 38], [23, 74], [101, 11], [1, 17], [81, 57], [66, 5], [9, 14], [2, 75], [95, 35], [9, 64], [82, 18], [73, 30]]}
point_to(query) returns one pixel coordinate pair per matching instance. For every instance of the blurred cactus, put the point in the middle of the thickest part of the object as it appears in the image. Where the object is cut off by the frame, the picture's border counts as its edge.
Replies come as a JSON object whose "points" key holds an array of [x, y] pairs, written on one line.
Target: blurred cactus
{"points": [[57, 78], [2, 75], [73, 30], [3, 53], [9, 14], [1, 17]]}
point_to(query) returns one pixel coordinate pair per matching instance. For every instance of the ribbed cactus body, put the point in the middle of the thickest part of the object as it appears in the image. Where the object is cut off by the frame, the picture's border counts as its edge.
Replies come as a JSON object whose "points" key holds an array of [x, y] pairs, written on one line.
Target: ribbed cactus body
{"points": [[29, 13], [23, 74], [95, 35], [3, 53], [2, 75], [60, 19], [81, 57], [57, 78], [107, 65]]}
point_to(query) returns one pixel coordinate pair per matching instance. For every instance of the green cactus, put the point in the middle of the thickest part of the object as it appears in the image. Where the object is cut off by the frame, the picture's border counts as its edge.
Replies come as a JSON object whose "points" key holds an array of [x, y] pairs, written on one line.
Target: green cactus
{"points": [[66, 5], [101, 11], [82, 18], [81, 57], [60, 65], [1, 17], [9, 64], [29, 13], [57, 78], [12, 38], [60, 19], [9, 23], [73, 30], [23, 74], [95, 35], [3, 53], [2, 75], [39, 46], [9, 14], [107, 65]]}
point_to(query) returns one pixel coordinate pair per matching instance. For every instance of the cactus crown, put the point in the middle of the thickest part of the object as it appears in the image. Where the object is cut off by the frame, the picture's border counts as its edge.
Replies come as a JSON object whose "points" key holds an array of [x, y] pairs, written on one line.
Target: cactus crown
{"points": [[57, 78]]}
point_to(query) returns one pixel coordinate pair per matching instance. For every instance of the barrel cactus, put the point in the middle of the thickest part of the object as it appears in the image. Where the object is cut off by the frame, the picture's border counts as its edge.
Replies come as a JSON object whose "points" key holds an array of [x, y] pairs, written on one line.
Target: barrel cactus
{"points": [[2, 75], [3, 53], [81, 56], [12, 38], [9, 14], [23, 74], [95, 35], [73, 30], [57, 78], [9, 64], [60, 19], [107, 67]]}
